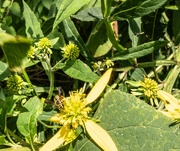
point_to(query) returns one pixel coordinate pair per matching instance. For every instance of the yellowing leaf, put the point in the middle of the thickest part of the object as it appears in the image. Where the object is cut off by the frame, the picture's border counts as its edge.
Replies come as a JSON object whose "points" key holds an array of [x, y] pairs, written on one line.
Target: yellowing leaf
{"points": [[56, 140], [100, 136], [99, 86]]}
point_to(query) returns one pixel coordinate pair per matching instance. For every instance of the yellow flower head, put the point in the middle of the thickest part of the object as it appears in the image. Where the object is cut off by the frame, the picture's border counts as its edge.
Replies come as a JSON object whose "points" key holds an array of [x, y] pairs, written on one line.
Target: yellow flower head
{"points": [[70, 51], [150, 87], [74, 111], [15, 83], [44, 43]]}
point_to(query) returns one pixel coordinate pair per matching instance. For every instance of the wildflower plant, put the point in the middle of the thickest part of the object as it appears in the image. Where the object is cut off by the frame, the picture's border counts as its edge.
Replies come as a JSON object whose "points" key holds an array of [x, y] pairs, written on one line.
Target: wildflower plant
{"points": [[52, 43], [75, 113]]}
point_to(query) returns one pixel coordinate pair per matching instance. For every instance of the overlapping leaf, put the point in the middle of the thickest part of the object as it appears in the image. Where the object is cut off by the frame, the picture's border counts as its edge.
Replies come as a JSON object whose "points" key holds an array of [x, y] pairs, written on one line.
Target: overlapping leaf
{"points": [[134, 125]]}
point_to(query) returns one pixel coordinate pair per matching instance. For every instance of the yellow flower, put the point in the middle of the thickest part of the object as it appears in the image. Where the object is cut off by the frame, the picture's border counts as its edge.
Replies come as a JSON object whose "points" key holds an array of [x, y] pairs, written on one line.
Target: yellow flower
{"points": [[172, 105], [149, 87], [44, 44], [75, 114], [70, 51]]}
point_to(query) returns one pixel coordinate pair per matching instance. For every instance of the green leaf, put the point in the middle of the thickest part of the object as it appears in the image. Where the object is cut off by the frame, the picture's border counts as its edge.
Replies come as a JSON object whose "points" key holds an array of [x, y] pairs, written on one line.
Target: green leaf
{"points": [[69, 30], [135, 8], [27, 120], [4, 71], [98, 43], [79, 70], [67, 8], [139, 51], [7, 109], [134, 125], [175, 26], [134, 30], [89, 14], [15, 50], [33, 28], [15, 9]]}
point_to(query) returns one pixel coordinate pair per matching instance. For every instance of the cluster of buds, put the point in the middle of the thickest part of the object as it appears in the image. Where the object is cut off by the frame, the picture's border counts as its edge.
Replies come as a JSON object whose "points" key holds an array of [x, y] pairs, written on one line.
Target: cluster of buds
{"points": [[15, 83], [98, 66]]}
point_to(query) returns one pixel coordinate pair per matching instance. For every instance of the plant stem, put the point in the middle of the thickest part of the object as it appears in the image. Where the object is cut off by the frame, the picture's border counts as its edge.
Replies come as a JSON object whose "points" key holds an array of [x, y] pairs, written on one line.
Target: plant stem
{"points": [[51, 78], [28, 81]]}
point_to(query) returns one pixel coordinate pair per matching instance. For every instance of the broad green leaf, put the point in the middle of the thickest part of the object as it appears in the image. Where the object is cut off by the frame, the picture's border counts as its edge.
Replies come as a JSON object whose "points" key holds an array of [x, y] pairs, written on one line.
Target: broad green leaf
{"points": [[70, 32], [4, 71], [135, 8], [15, 50], [139, 51], [134, 125], [67, 8], [98, 43], [27, 120], [33, 27], [89, 14], [79, 70]]}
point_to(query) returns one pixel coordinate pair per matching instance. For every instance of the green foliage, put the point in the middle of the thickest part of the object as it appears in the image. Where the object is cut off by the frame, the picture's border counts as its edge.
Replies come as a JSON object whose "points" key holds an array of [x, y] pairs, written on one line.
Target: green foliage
{"points": [[134, 125], [138, 39]]}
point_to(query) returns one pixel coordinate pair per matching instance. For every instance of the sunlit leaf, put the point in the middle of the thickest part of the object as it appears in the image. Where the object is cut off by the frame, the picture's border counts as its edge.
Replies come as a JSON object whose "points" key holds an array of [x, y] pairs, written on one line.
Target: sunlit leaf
{"points": [[134, 125], [67, 8], [27, 120], [33, 28], [15, 50]]}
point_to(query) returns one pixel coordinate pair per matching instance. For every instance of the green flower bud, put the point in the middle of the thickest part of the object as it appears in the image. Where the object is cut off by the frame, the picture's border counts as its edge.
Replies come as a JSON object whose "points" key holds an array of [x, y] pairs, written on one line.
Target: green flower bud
{"points": [[70, 51], [15, 83]]}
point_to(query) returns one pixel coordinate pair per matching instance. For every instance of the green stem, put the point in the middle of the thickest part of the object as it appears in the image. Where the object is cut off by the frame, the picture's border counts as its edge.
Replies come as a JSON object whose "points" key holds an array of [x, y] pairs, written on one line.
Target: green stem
{"points": [[48, 126], [17, 137], [148, 64], [56, 66], [51, 78], [28, 81], [112, 37]]}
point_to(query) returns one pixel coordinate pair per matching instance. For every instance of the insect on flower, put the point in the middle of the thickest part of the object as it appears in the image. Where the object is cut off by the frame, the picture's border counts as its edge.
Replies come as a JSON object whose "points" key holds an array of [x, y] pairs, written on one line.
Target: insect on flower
{"points": [[58, 99]]}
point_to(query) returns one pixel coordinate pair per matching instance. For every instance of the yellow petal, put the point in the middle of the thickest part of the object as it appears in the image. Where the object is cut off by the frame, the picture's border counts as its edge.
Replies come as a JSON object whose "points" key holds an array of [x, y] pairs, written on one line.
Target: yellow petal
{"points": [[100, 136], [165, 96], [56, 140], [99, 86]]}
